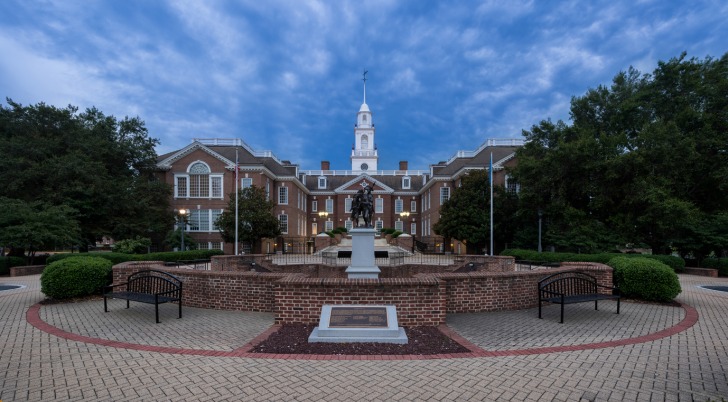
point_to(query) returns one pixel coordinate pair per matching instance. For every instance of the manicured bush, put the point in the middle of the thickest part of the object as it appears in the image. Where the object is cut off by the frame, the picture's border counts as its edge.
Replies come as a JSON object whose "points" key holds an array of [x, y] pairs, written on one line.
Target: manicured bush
{"points": [[138, 245], [645, 278], [7, 262], [721, 264], [75, 277], [676, 263], [396, 234], [118, 258]]}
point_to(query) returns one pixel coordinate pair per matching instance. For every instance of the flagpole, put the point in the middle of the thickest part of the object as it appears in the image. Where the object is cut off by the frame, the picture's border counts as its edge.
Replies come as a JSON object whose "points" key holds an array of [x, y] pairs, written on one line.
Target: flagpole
{"points": [[236, 201], [490, 173]]}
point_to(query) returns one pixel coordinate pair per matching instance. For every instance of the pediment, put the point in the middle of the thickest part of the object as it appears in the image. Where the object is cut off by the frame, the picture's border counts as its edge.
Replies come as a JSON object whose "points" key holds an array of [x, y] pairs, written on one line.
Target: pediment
{"points": [[361, 181], [170, 160]]}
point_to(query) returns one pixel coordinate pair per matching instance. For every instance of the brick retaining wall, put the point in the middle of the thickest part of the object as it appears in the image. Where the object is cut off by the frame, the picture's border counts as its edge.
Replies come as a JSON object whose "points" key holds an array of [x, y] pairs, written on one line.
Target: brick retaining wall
{"points": [[27, 270], [422, 300]]}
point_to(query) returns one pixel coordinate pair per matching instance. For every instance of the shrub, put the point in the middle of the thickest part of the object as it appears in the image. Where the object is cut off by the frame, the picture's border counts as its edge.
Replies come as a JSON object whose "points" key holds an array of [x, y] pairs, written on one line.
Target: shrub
{"points": [[676, 263], [75, 277], [645, 278], [118, 258], [139, 245], [7, 262], [396, 234], [717, 263]]}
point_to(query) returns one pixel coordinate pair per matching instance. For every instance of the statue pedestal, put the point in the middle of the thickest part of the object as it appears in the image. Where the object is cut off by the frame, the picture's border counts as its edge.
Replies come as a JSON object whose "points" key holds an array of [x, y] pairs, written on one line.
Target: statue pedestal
{"points": [[362, 255]]}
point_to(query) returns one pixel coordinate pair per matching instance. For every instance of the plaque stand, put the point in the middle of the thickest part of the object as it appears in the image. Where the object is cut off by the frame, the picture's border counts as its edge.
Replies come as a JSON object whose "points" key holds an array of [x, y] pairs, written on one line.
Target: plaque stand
{"points": [[362, 255], [358, 323]]}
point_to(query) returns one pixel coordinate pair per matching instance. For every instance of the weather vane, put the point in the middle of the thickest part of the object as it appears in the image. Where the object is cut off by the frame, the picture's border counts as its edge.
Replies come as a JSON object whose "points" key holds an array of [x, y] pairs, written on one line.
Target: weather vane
{"points": [[365, 76]]}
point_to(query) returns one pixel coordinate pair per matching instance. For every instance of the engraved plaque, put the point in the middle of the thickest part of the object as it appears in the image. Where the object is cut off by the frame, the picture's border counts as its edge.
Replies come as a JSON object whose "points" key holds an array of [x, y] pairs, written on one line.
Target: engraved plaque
{"points": [[362, 317]]}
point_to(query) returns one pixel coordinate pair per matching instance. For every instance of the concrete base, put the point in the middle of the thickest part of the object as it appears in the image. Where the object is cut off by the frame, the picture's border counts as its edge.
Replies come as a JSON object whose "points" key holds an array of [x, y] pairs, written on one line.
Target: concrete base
{"points": [[388, 332], [362, 255]]}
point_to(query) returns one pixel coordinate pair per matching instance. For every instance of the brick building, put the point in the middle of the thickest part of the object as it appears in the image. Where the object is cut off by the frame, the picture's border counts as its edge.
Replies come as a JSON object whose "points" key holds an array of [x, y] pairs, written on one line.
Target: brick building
{"points": [[309, 202]]}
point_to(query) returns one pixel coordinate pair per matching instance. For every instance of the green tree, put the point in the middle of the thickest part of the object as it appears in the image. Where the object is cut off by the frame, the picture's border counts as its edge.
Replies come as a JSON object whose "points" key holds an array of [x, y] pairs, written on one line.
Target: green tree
{"points": [[36, 225], [101, 167], [255, 218]]}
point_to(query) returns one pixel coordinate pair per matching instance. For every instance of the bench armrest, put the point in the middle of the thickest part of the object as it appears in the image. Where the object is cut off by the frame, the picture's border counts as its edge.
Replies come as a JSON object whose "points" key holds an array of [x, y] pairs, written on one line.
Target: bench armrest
{"points": [[548, 291], [109, 287]]}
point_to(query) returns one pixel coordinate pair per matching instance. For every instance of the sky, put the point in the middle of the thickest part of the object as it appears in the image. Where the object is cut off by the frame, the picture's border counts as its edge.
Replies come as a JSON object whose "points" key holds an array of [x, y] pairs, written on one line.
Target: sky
{"points": [[286, 76]]}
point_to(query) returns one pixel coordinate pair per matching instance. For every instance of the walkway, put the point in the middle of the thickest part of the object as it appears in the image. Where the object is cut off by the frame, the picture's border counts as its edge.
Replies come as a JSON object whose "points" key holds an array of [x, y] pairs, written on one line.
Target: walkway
{"points": [[648, 352]]}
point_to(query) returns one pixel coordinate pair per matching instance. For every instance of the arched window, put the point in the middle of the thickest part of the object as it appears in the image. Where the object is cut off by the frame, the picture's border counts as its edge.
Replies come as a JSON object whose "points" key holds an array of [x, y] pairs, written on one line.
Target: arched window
{"points": [[364, 142], [199, 180]]}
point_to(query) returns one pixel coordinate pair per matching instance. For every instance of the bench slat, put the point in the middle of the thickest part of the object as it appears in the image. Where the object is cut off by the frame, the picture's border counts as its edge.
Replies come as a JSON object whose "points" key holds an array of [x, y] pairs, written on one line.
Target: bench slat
{"points": [[148, 286], [573, 287]]}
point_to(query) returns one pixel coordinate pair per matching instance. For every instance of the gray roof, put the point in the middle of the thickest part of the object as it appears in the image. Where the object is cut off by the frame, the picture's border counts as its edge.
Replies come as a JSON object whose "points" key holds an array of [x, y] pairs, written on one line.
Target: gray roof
{"points": [[479, 160]]}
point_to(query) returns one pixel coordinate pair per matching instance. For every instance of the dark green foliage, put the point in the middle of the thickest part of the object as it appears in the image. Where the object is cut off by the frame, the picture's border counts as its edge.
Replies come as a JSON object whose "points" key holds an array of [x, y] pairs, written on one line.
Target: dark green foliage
{"points": [[138, 245], [645, 279], [118, 258], [645, 162], [396, 234], [75, 277], [340, 230], [7, 262], [676, 263], [255, 218], [101, 169], [721, 264]]}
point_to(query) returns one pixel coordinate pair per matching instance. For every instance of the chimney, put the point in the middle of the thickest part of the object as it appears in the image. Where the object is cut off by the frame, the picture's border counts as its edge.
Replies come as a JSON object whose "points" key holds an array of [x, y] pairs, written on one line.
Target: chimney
{"points": [[402, 165], [325, 165]]}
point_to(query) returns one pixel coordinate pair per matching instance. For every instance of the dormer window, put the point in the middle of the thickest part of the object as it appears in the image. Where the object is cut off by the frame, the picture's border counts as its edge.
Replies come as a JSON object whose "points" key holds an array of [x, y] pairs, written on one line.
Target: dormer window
{"points": [[322, 182], [406, 183]]}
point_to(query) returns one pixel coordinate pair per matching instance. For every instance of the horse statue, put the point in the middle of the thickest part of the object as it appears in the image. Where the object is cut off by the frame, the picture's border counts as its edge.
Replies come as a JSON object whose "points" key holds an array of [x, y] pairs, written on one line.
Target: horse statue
{"points": [[363, 207]]}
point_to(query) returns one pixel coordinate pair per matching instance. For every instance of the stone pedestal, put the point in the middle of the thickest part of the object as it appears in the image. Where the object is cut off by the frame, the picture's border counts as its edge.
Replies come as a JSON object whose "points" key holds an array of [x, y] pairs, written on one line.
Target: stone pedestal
{"points": [[358, 323], [362, 255]]}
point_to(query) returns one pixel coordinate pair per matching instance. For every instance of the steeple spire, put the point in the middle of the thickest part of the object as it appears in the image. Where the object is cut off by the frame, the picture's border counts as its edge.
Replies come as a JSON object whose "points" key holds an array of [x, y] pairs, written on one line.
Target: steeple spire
{"points": [[365, 86]]}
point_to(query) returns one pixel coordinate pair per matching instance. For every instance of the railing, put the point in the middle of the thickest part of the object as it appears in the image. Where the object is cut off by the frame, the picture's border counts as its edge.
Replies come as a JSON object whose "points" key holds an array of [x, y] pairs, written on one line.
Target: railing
{"points": [[492, 142], [333, 259], [528, 265], [358, 172], [237, 142], [202, 265]]}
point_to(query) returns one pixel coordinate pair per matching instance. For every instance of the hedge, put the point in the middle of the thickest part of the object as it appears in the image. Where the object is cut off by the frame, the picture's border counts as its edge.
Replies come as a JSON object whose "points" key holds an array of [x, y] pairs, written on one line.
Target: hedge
{"points": [[645, 278], [7, 262], [676, 263], [117, 258], [721, 264], [75, 277]]}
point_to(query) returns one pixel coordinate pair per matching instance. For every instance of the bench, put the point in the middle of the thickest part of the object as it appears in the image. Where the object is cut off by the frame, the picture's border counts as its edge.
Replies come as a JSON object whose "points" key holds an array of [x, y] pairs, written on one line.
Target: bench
{"points": [[573, 287], [148, 286]]}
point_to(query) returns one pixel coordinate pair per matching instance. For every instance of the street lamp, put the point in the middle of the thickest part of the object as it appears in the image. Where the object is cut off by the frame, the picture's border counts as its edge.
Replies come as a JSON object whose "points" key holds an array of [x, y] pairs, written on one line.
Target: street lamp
{"points": [[183, 221], [404, 214]]}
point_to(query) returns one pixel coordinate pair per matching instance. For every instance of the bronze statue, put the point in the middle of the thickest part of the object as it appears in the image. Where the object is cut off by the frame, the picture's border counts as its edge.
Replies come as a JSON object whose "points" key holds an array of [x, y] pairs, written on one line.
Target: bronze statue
{"points": [[363, 207]]}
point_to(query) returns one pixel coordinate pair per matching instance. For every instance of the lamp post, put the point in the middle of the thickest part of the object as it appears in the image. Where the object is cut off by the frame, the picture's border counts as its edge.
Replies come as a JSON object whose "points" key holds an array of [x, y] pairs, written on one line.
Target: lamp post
{"points": [[540, 214], [324, 215], [183, 220]]}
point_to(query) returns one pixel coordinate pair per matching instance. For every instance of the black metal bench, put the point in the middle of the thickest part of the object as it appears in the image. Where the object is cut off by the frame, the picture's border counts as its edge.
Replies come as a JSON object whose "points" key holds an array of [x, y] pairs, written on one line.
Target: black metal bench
{"points": [[573, 287], [148, 286]]}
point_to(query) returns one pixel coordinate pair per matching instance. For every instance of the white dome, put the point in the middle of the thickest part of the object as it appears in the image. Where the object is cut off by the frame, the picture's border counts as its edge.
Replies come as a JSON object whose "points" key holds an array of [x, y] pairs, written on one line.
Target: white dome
{"points": [[364, 107]]}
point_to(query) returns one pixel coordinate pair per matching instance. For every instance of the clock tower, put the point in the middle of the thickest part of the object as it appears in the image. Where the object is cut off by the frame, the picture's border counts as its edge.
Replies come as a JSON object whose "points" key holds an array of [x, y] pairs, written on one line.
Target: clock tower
{"points": [[364, 153]]}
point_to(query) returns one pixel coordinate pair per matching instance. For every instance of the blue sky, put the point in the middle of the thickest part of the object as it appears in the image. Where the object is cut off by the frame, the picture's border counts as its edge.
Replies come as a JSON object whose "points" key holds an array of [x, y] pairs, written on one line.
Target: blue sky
{"points": [[286, 76]]}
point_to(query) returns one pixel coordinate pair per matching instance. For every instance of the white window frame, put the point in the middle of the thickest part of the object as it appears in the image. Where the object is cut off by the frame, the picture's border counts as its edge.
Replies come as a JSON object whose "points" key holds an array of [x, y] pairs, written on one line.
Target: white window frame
{"points": [[314, 206], [398, 205], [283, 195], [347, 204], [322, 182], [314, 228], [246, 182], [329, 225], [283, 223], [406, 183], [349, 224], [379, 225], [413, 228], [444, 194], [379, 205], [413, 206], [399, 225], [330, 205]]}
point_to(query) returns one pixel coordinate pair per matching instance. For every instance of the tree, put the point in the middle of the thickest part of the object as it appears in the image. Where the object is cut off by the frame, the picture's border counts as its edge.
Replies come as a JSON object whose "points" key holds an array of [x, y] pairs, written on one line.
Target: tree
{"points": [[99, 166], [32, 226], [465, 216], [255, 218], [644, 162]]}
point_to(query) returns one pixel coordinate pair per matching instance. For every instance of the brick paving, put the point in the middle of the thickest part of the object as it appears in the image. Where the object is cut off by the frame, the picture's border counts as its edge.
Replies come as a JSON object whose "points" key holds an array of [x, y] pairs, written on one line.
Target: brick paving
{"points": [[648, 352]]}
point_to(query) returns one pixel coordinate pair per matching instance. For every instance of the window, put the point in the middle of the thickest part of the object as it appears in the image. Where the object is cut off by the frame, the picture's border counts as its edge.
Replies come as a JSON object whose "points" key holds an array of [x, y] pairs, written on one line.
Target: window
{"points": [[347, 204], [379, 205], [182, 186], [329, 226], [406, 182], [512, 185], [216, 245], [399, 225], [444, 195], [216, 182], [314, 228], [321, 182], [215, 215], [267, 190], [283, 195], [398, 206], [314, 206], [364, 140], [246, 182], [349, 224], [283, 222], [413, 206], [378, 225], [330, 205], [413, 228]]}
